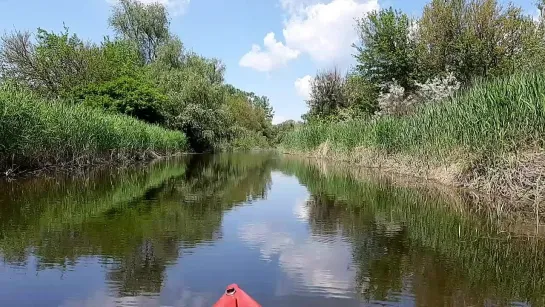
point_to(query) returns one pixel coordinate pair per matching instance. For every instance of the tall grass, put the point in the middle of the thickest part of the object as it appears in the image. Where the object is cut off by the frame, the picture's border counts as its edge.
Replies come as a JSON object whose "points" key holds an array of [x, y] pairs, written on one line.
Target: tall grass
{"points": [[35, 132], [493, 116]]}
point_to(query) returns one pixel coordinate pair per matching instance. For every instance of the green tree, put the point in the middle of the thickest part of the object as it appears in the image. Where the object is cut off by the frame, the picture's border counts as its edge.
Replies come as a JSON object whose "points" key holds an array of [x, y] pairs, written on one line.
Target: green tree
{"points": [[361, 95], [477, 38], [194, 104], [145, 24], [387, 48], [282, 129], [53, 65], [119, 58], [56, 64], [125, 95], [326, 94], [171, 54]]}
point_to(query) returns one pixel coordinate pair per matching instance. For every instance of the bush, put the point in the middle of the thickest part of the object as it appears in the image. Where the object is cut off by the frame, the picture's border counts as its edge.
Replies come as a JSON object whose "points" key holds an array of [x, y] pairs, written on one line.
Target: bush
{"points": [[396, 101], [126, 96]]}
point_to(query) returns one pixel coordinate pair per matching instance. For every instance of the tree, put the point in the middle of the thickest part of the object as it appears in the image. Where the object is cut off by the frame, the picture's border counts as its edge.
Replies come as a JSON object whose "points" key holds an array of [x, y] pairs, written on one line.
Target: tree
{"points": [[361, 95], [326, 94], [56, 64], [262, 103], [171, 54], [119, 58], [145, 24], [53, 65], [387, 49], [477, 38], [281, 130]]}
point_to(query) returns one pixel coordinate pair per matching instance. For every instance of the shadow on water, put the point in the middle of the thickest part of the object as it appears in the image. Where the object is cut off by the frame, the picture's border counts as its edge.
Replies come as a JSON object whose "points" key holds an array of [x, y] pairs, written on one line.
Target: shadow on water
{"points": [[406, 243]]}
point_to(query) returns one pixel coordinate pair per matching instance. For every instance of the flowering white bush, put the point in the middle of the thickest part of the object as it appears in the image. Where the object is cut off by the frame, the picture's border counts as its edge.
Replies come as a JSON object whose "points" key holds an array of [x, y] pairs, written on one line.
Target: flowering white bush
{"points": [[438, 88], [394, 100]]}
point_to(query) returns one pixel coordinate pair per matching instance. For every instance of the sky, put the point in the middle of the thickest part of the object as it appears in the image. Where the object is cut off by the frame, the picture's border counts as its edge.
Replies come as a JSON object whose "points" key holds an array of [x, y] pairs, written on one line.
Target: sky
{"points": [[270, 47]]}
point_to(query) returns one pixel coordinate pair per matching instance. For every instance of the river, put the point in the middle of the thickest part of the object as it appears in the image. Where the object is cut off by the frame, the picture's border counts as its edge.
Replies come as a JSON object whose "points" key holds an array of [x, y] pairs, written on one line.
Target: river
{"points": [[290, 232]]}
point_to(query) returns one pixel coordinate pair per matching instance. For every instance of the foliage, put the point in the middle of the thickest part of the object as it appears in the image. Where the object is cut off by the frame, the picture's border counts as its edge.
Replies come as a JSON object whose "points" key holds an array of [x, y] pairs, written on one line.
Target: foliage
{"points": [[491, 118], [35, 132], [326, 93], [57, 64], [145, 24], [406, 60], [54, 64], [120, 58], [477, 38], [281, 130], [361, 95], [395, 102], [387, 49], [213, 115], [126, 96], [195, 101], [336, 97], [145, 73]]}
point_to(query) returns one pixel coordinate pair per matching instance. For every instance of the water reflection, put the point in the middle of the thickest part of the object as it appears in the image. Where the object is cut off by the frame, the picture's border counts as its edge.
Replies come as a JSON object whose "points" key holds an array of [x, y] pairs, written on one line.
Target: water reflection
{"points": [[133, 223], [414, 244], [316, 264], [293, 233]]}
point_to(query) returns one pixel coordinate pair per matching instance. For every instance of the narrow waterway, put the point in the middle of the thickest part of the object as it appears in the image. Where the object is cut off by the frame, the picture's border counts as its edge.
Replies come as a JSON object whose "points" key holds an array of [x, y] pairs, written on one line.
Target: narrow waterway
{"points": [[289, 232]]}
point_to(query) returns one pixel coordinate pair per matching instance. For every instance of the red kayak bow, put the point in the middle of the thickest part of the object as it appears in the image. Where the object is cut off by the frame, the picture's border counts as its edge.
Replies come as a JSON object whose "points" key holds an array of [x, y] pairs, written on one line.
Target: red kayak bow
{"points": [[235, 297]]}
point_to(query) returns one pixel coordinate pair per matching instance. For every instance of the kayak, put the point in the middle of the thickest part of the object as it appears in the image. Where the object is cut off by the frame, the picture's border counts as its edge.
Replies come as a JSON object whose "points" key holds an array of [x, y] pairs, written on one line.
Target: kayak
{"points": [[236, 297]]}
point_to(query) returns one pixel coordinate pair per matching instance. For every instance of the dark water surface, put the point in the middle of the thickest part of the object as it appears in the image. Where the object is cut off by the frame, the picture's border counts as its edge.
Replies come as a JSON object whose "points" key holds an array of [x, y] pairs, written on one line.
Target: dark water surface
{"points": [[290, 232]]}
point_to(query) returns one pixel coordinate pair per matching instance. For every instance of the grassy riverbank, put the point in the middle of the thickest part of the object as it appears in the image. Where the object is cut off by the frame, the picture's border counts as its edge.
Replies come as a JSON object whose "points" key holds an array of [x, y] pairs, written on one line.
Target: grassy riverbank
{"points": [[36, 133], [489, 137]]}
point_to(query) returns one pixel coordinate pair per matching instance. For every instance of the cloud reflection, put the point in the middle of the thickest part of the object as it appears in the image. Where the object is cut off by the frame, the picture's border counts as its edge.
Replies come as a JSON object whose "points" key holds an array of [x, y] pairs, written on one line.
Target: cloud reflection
{"points": [[315, 262]]}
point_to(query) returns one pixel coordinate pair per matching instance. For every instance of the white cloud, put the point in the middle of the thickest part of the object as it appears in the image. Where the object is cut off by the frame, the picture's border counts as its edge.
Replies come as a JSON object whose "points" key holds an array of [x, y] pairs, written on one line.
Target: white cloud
{"points": [[302, 85], [325, 31], [312, 262], [270, 242], [274, 55], [294, 6]]}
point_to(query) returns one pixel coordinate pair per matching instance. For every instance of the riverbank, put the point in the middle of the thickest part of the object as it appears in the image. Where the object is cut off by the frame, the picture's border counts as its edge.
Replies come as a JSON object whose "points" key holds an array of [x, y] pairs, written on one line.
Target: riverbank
{"points": [[37, 134], [488, 138]]}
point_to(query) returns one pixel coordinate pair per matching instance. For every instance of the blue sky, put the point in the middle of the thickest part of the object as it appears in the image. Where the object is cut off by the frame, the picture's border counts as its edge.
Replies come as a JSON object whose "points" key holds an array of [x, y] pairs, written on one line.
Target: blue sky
{"points": [[270, 47]]}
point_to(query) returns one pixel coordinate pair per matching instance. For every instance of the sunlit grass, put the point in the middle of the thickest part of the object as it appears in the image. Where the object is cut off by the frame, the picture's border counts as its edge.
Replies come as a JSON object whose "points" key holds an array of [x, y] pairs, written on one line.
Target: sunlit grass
{"points": [[493, 116], [34, 132]]}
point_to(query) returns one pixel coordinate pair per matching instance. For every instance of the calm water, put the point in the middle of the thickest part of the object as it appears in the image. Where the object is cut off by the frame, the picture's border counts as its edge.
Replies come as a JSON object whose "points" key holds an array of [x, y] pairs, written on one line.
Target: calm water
{"points": [[290, 232]]}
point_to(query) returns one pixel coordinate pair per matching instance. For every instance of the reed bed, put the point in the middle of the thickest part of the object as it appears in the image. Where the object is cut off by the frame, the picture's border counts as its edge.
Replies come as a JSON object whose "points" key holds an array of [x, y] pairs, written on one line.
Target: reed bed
{"points": [[492, 117], [36, 133]]}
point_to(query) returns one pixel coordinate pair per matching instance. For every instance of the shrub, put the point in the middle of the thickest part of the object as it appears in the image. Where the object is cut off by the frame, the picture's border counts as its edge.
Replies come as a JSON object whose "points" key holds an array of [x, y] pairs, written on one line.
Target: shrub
{"points": [[126, 96]]}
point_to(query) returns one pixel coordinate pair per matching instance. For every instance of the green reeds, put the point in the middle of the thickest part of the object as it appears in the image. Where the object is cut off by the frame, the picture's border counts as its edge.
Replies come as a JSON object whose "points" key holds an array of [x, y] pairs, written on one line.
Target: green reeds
{"points": [[491, 117], [36, 133]]}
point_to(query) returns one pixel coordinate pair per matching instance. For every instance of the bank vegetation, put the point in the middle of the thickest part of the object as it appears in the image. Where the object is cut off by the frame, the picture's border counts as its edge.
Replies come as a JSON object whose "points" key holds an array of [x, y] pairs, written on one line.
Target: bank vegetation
{"points": [[141, 91], [456, 95]]}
